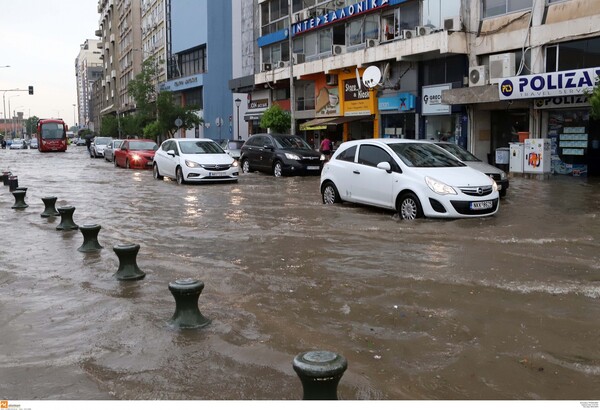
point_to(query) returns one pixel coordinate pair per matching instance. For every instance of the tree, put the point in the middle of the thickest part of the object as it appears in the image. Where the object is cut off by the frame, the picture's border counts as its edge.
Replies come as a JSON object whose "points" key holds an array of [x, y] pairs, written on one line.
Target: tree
{"points": [[31, 125], [276, 119], [109, 126], [594, 98], [156, 112]]}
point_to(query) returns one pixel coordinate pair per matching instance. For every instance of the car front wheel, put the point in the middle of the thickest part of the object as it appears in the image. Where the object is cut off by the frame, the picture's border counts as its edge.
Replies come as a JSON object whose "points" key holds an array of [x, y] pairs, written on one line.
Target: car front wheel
{"points": [[330, 193], [245, 166], [277, 169], [179, 176], [155, 172], [409, 207]]}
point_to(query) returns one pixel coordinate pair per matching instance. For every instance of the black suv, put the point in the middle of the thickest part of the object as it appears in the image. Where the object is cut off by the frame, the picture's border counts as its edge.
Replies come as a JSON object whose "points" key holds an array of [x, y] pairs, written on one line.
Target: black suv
{"points": [[280, 154]]}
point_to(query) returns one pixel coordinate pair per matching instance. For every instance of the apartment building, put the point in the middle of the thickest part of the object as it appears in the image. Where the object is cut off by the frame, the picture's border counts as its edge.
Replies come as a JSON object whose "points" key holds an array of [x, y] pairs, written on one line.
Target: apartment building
{"points": [[88, 68], [441, 64]]}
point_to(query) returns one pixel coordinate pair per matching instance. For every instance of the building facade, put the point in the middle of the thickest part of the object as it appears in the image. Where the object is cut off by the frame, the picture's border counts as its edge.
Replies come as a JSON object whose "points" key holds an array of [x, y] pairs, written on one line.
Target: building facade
{"points": [[88, 69], [439, 66]]}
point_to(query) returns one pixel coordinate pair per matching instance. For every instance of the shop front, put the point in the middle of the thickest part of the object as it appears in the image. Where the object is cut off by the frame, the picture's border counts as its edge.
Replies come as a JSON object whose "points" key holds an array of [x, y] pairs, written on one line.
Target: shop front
{"points": [[398, 118], [442, 122], [258, 102], [565, 117]]}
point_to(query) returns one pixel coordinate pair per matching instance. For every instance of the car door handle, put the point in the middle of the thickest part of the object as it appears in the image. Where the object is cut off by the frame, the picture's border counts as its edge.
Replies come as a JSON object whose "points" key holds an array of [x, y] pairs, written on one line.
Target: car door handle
{"points": [[356, 172]]}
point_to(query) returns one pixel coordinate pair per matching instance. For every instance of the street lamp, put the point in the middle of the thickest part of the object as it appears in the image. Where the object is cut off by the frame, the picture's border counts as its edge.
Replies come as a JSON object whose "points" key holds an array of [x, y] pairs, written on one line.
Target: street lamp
{"points": [[74, 121], [237, 104]]}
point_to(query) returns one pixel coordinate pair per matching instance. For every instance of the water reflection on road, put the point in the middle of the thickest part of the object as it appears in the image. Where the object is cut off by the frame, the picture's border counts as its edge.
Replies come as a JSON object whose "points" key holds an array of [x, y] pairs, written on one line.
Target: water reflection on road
{"points": [[497, 308]]}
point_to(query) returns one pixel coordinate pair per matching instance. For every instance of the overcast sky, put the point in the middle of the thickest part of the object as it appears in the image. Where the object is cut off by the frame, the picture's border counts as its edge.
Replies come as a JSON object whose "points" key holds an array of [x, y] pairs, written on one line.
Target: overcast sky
{"points": [[40, 41]]}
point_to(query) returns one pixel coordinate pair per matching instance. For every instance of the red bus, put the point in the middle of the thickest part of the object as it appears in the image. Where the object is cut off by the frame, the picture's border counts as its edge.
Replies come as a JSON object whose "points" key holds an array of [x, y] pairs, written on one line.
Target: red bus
{"points": [[52, 135]]}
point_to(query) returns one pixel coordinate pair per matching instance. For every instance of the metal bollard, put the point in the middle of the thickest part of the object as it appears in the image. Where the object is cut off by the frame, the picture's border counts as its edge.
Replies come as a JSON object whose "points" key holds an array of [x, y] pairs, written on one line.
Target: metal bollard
{"points": [[186, 293], [320, 373], [13, 182], [90, 238], [128, 269], [5, 175], [19, 195], [49, 207], [66, 219]]}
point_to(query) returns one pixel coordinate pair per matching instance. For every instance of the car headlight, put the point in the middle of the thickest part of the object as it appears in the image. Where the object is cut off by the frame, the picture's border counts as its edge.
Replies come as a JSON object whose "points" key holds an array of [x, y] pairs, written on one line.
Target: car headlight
{"points": [[192, 164], [323, 157], [439, 187], [235, 163], [494, 185], [503, 175], [289, 155], [136, 157]]}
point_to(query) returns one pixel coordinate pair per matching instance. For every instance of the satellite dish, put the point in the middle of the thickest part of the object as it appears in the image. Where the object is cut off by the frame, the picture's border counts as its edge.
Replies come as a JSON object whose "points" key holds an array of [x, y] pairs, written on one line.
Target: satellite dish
{"points": [[372, 76]]}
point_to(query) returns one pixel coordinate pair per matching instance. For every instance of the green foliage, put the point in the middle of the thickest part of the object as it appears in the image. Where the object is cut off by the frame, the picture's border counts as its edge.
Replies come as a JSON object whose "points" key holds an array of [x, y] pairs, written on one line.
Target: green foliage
{"points": [[152, 131], [84, 132], [31, 125], [109, 126], [169, 112], [276, 119], [594, 98]]}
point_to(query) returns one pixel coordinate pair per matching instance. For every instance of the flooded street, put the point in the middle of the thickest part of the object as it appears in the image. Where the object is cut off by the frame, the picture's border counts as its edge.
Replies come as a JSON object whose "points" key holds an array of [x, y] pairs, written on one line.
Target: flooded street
{"points": [[506, 307]]}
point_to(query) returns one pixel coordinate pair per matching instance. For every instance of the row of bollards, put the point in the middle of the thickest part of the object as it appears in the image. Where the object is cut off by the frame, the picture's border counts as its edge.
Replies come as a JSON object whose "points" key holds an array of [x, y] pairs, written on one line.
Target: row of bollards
{"points": [[319, 371]]}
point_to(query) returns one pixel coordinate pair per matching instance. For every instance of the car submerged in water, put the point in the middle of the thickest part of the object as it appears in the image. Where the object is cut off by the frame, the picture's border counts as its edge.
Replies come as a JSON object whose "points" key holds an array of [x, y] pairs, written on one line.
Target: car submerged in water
{"points": [[414, 177]]}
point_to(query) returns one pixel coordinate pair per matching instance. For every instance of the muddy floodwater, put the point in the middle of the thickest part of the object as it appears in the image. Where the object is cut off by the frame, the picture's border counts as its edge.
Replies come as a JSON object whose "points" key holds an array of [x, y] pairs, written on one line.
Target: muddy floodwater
{"points": [[506, 307]]}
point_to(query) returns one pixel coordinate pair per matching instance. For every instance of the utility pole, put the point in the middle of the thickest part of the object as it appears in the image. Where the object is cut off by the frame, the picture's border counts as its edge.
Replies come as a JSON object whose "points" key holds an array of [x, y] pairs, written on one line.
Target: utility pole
{"points": [[291, 52]]}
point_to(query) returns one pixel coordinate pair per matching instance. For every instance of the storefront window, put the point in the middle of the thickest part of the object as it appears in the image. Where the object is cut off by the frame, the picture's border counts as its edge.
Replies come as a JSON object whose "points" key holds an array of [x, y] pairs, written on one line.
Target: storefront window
{"points": [[506, 125], [398, 126], [443, 128]]}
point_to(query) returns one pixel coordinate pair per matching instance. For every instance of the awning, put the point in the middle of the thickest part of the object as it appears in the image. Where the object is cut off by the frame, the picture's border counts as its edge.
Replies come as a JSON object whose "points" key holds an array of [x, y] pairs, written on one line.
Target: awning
{"points": [[254, 114], [314, 124], [322, 123]]}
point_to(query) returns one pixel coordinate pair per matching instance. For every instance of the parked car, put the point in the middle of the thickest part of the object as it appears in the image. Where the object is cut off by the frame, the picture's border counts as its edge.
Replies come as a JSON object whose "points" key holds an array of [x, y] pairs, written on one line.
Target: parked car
{"points": [[135, 154], [280, 154], [194, 160], [109, 151], [80, 142], [33, 143], [471, 160], [232, 147], [18, 144], [98, 146], [415, 178]]}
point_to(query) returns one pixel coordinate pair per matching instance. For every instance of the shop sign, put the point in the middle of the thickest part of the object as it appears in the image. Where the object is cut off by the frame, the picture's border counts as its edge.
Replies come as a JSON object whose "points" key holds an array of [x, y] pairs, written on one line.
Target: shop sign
{"points": [[356, 98], [258, 104], [335, 16], [561, 102], [432, 100], [327, 103], [561, 83], [182, 84], [398, 102]]}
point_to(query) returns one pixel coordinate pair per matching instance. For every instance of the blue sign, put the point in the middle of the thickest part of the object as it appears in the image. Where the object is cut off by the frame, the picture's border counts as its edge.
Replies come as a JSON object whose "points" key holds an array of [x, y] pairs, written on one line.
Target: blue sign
{"points": [[338, 15], [561, 83], [398, 102]]}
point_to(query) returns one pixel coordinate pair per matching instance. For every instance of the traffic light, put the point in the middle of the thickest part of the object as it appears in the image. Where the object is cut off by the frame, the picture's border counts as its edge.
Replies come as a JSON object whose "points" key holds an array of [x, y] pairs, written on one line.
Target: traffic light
{"points": [[31, 90]]}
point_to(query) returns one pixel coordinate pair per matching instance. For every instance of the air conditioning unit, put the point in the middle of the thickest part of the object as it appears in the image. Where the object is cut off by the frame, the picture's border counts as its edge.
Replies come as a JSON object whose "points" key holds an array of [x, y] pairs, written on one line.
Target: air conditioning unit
{"points": [[408, 34], [501, 66], [453, 24], [371, 42], [281, 64], [266, 67], [423, 31], [299, 58], [331, 79], [477, 76], [338, 49]]}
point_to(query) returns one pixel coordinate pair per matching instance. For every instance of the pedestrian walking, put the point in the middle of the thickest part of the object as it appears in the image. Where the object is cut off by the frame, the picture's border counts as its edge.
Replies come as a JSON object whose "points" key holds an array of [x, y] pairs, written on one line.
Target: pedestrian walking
{"points": [[326, 147]]}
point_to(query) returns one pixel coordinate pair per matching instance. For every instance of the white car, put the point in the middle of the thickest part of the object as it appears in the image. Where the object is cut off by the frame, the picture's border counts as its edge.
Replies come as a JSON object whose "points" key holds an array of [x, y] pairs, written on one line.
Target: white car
{"points": [[18, 144], [471, 160], [99, 145], [414, 177], [194, 160]]}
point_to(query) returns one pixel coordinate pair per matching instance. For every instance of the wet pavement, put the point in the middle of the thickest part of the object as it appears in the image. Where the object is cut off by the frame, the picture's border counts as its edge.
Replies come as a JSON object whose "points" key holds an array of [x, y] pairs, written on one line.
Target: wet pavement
{"points": [[505, 307]]}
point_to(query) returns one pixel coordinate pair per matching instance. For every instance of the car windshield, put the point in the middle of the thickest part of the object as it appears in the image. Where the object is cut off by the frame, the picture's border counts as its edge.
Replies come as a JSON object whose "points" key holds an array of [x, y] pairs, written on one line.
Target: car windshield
{"points": [[200, 147], [292, 141], [459, 152], [53, 131], [102, 140], [424, 156], [142, 145]]}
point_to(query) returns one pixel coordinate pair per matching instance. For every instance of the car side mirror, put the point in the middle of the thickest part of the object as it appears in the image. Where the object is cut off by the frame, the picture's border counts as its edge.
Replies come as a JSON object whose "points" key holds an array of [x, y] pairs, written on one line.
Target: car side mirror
{"points": [[268, 146], [171, 152], [385, 166]]}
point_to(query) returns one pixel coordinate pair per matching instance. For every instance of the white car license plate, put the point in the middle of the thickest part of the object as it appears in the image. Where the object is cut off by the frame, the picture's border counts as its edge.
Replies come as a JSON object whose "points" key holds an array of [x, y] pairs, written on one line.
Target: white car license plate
{"points": [[481, 205], [217, 174], [312, 167], [149, 163]]}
